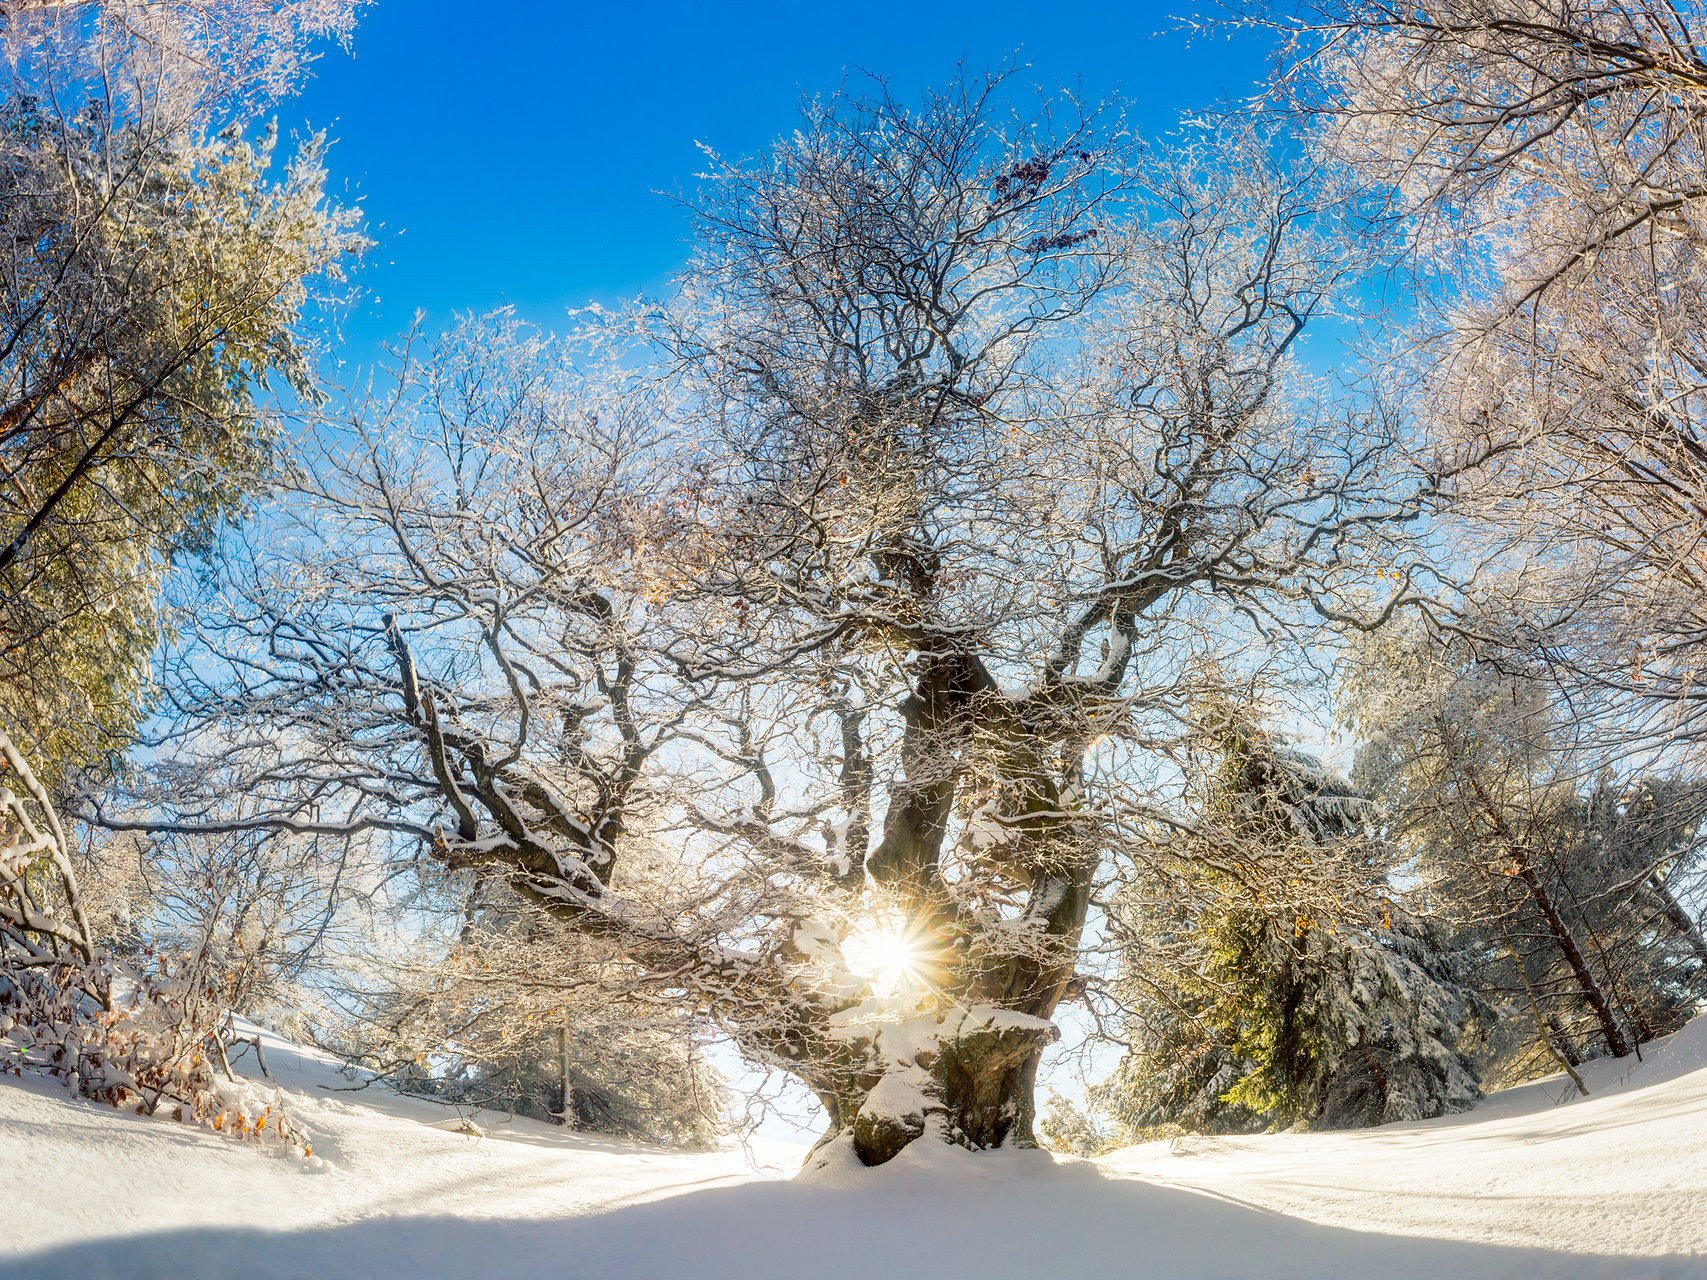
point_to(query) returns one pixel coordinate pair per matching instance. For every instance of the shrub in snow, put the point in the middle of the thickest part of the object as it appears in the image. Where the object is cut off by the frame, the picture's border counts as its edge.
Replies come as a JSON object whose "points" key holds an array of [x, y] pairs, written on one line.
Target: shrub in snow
{"points": [[143, 1037], [521, 1015], [1068, 1129]]}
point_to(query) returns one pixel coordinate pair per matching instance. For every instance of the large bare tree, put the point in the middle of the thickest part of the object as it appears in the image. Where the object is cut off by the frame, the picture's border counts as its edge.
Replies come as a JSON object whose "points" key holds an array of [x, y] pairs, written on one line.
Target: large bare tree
{"points": [[821, 665]]}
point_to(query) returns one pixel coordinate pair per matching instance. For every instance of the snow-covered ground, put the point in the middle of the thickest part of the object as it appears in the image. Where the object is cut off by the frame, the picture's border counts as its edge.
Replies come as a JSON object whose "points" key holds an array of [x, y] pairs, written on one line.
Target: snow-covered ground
{"points": [[1614, 1185]]}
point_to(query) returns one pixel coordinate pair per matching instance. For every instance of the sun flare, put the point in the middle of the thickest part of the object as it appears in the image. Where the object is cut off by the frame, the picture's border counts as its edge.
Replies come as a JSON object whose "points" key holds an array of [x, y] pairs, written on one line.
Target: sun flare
{"points": [[889, 954]]}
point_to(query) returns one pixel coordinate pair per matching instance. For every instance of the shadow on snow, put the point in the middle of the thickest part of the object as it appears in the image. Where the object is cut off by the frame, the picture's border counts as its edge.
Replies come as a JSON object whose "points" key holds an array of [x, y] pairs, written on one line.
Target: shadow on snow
{"points": [[1006, 1218]]}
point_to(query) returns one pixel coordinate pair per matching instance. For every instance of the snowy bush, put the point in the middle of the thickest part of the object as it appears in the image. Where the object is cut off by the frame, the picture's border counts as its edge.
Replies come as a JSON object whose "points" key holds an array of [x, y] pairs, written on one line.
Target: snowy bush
{"points": [[1072, 1131], [521, 1015], [143, 1037]]}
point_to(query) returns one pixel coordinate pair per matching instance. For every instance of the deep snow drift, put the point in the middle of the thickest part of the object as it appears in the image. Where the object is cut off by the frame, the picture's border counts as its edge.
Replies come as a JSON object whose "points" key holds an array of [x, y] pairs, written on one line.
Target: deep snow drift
{"points": [[1614, 1185]]}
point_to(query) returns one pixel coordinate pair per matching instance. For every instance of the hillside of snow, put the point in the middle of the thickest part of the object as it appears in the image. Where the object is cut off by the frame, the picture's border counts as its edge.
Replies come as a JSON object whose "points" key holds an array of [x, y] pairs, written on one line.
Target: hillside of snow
{"points": [[1533, 1183]]}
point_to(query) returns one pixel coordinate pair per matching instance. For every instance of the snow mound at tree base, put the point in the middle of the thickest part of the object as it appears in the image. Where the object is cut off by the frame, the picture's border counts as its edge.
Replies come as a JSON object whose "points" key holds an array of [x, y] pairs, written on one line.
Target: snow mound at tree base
{"points": [[1614, 1185]]}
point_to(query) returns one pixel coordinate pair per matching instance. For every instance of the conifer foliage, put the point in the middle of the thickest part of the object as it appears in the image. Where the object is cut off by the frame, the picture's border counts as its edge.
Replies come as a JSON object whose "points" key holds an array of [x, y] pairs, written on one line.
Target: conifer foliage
{"points": [[1567, 882]]}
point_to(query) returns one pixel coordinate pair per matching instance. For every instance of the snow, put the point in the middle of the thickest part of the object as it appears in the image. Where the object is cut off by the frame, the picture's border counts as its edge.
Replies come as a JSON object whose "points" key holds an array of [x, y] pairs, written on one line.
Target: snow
{"points": [[1533, 1183], [1622, 1171]]}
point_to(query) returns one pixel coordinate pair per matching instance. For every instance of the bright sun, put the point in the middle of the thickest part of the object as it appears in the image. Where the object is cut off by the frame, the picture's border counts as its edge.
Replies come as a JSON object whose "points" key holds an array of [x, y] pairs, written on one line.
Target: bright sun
{"points": [[887, 953]]}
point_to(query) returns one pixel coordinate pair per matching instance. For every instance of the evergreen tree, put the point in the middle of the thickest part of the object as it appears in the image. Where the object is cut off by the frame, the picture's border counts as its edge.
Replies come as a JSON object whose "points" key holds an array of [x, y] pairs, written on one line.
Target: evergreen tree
{"points": [[1295, 986]]}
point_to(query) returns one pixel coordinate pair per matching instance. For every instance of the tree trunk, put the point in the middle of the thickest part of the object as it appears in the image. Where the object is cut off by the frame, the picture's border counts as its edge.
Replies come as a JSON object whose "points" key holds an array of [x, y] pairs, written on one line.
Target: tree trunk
{"points": [[1561, 1038], [973, 1082], [973, 1089], [1616, 1041], [566, 1089], [961, 1067], [1680, 919]]}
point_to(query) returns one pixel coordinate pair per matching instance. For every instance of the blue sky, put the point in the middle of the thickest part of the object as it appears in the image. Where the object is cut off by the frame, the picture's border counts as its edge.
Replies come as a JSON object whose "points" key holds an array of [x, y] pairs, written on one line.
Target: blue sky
{"points": [[511, 152]]}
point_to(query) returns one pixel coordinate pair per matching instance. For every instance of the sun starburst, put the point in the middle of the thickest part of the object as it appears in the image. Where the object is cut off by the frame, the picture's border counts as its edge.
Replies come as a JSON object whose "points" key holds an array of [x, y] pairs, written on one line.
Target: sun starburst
{"points": [[892, 954]]}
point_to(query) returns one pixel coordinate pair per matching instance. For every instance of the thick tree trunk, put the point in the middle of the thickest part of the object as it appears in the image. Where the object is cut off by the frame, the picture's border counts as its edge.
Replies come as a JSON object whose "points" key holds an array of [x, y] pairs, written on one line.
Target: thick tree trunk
{"points": [[990, 1095], [973, 1083], [972, 1089], [963, 1068]]}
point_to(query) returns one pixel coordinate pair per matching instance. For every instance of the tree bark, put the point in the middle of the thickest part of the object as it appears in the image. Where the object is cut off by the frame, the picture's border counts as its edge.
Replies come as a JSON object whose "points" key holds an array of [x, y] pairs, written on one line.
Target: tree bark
{"points": [[1562, 1039], [977, 1084], [567, 1090], [977, 1079], [1616, 1041]]}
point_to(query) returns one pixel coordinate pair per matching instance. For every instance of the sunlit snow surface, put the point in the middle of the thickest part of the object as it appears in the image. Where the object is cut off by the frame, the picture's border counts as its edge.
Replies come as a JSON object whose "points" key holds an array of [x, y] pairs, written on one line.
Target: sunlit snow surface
{"points": [[1614, 1185]]}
